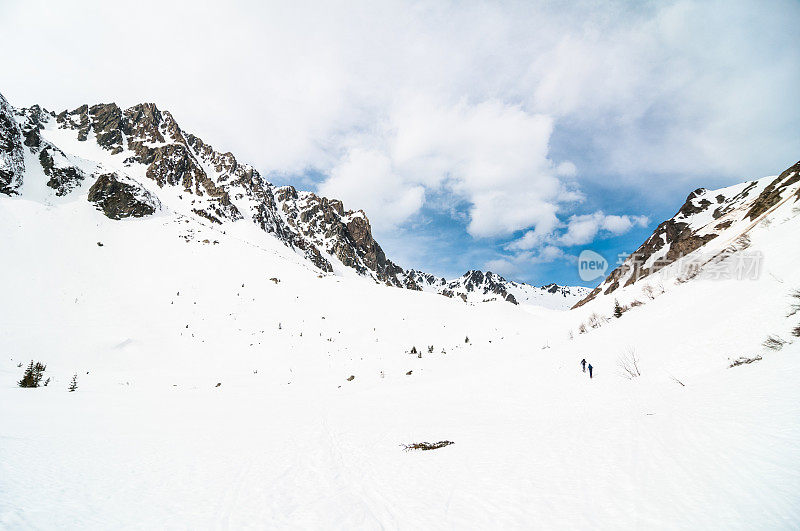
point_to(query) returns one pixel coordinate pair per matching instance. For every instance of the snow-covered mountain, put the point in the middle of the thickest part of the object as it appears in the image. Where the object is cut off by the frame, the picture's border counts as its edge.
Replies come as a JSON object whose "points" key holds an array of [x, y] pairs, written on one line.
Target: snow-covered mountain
{"points": [[705, 235], [224, 380], [477, 286], [138, 161]]}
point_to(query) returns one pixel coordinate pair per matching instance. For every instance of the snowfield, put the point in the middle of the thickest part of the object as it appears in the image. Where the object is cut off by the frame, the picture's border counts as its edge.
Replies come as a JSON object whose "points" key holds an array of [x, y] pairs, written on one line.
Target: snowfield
{"points": [[169, 307]]}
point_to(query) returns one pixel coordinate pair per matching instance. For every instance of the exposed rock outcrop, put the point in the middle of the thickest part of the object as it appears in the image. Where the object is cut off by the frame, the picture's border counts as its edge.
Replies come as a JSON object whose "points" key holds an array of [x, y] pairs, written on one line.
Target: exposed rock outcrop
{"points": [[774, 191], [118, 199], [12, 163], [63, 177], [344, 234]]}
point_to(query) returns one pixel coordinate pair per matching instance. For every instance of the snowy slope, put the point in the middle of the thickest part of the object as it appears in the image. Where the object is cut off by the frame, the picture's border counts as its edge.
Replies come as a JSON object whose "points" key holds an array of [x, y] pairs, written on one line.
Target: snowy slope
{"points": [[154, 318]]}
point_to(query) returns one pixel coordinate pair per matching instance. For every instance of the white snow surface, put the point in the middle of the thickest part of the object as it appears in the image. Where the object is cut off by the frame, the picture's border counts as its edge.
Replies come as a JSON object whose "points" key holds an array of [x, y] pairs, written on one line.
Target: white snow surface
{"points": [[154, 319]]}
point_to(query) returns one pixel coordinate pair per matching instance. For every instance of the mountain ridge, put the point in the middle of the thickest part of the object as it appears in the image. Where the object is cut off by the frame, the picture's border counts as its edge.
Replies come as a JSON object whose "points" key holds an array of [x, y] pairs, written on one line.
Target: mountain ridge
{"points": [[143, 145], [724, 216]]}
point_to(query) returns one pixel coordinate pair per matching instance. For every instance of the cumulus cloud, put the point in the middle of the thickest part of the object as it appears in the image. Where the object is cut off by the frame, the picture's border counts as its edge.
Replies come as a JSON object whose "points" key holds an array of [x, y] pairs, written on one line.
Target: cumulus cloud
{"points": [[576, 230], [502, 267], [513, 264], [650, 81], [584, 229], [490, 154], [367, 179]]}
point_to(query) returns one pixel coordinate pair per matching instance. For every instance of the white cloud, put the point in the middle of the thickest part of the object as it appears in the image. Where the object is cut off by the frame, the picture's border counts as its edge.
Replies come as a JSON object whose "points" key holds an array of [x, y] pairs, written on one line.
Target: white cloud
{"points": [[502, 267], [659, 93], [531, 239], [491, 154], [366, 178], [548, 254], [584, 229], [515, 263], [622, 224], [567, 169], [581, 230], [577, 230]]}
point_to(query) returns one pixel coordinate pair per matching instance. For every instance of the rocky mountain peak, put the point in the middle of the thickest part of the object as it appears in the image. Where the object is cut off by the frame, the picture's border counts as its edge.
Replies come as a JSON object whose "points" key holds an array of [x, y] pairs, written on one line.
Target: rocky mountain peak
{"points": [[152, 162]]}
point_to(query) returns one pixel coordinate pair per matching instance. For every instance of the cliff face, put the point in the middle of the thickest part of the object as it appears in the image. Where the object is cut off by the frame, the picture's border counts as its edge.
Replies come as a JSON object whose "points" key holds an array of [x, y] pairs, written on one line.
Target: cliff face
{"points": [[12, 165]]}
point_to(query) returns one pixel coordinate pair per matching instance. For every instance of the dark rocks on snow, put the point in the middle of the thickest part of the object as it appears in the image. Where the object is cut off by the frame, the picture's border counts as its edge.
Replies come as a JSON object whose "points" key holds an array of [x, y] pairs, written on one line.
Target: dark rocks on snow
{"points": [[62, 179], [772, 193], [118, 199], [12, 164], [107, 126], [426, 445]]}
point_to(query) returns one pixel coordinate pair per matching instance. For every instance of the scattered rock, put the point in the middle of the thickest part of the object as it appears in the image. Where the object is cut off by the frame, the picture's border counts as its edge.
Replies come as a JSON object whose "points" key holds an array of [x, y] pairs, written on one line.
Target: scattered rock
{"points": [[426, 445], [744, 360]]}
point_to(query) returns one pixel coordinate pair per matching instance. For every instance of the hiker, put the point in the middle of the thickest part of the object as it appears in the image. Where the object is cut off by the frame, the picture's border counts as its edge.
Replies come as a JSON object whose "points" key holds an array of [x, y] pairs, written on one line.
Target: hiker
{"points": [[590, 370], [583, 364]]}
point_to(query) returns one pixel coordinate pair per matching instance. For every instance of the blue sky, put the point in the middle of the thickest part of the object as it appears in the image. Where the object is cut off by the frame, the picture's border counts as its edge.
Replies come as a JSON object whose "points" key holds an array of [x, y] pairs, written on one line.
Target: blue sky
{"points": [[437, 241], [476, 135]]}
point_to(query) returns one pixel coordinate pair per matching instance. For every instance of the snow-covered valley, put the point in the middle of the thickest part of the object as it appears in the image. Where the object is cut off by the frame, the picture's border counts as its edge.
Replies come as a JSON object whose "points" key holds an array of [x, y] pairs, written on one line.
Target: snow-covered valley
{"points": [[225, 380], [154, 319]]}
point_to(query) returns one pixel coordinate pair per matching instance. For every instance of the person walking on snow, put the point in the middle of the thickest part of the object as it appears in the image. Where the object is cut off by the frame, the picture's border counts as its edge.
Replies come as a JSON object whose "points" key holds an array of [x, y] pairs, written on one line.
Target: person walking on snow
{"points": [[583, 364], [590, 370]]}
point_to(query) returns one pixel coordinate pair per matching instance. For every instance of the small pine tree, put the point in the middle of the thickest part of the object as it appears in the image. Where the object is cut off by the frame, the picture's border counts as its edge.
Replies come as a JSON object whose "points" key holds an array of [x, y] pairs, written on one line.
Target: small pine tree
{"points": [[73, 385], [414, 350], [38, 371], [27, 377], [32, 375], [466, 339], [617, 309]]}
